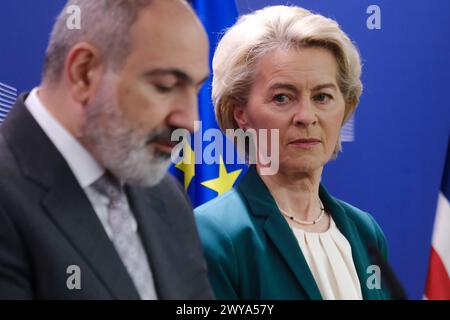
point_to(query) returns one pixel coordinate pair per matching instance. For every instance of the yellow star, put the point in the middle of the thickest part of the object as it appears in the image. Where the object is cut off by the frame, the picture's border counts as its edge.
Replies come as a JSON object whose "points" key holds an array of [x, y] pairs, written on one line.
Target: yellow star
{"points": [[187, 165], [225, 181]]}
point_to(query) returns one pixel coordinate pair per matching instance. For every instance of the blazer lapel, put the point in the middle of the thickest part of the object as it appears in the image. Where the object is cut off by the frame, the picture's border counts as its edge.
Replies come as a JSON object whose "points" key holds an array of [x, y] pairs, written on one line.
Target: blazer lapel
{"points": [[65, 201], [262, 204], [286, 243], [359, 252]]}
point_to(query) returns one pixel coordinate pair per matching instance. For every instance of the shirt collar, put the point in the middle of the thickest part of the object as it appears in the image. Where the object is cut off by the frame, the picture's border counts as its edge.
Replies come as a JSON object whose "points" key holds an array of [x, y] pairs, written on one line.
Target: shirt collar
{"points": [[83, 165]]}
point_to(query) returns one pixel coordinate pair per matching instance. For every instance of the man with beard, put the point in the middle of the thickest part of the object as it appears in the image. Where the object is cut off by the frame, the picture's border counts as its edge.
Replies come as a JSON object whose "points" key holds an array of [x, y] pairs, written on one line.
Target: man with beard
{"points": [[87, 209]]}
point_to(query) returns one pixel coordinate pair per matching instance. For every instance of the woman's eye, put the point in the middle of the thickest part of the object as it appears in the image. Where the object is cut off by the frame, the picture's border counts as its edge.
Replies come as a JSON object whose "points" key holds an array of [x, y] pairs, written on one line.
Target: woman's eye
{"points": [[323, 98], [281, 99]]}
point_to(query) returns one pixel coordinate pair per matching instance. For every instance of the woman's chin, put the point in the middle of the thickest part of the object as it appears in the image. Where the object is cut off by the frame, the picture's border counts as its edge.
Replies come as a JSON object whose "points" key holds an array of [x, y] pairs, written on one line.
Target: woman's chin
{"points": [[304, 165]]}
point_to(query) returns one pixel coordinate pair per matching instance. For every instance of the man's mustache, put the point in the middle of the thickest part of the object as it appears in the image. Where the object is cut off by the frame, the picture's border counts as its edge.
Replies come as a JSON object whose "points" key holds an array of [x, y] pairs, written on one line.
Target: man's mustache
{"points": [[163, 135]]}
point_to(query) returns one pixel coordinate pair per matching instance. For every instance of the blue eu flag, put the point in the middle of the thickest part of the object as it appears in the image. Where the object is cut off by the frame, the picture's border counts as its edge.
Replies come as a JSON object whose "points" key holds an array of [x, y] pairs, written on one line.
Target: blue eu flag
{"points": [[204, 182]]}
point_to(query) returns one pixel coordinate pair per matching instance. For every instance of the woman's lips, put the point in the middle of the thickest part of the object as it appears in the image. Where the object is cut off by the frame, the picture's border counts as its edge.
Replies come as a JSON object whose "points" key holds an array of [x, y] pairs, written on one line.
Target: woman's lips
{"points": [[305, 143]]}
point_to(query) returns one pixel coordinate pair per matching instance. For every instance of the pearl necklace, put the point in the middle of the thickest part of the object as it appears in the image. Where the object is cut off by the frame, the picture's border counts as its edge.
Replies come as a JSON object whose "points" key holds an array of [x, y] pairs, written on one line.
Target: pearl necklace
{"points": [[322, 212]]}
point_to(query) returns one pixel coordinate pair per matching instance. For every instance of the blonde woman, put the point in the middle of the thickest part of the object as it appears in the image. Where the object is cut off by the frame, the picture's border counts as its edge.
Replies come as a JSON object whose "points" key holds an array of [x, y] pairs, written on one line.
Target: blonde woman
{"points": [[283, 236]]}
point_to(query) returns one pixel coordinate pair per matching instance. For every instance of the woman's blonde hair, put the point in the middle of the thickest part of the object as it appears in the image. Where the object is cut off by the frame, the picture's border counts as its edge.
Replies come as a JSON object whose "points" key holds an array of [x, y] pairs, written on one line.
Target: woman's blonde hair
{"points": [[278, 27]]}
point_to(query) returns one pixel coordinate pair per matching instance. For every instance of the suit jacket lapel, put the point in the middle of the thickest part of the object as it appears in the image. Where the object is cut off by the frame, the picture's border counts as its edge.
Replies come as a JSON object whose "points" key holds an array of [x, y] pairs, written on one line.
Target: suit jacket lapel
{"points": [[65, 201], [262, 204], [152, 228], [156, 223], [72, 212]]}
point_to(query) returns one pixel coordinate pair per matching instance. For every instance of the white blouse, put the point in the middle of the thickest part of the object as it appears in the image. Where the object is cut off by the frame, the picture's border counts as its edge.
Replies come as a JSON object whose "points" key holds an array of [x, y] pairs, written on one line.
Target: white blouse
{"points": [[329, 257]]}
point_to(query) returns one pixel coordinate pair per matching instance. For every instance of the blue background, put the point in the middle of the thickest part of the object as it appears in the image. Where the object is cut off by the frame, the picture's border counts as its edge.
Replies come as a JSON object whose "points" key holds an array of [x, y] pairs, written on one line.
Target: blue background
{"points": [[394, 167]]}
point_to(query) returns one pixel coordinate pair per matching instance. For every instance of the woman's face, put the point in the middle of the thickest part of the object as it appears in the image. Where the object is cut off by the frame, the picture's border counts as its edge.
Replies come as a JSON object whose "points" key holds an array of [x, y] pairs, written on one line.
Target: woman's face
{"points": [[296, 92]]}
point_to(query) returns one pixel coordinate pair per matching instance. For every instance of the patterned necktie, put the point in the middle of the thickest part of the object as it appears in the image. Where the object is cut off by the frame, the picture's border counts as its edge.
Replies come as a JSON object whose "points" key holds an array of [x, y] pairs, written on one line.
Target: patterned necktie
{"points": [[125, 237]]}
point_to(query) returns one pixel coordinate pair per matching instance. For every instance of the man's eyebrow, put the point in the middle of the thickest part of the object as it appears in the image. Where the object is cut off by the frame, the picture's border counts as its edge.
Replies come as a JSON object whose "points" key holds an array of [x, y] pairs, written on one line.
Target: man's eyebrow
{"points": [[179, 74]]}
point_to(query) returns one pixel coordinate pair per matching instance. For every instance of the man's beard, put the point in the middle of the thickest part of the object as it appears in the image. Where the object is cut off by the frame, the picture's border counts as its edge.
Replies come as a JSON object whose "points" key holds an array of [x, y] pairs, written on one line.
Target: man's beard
{"points": [[120, 148]]}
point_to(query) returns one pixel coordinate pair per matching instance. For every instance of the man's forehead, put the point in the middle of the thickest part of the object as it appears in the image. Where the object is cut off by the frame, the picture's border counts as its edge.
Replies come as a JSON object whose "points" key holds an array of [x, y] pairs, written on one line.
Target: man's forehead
{"points": [[170, 44], [167, 12], [161, 28]]}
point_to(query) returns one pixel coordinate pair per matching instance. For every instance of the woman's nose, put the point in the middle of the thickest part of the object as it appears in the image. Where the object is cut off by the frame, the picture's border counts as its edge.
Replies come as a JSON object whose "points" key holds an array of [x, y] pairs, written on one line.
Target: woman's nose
{"points": [[304, 114]]}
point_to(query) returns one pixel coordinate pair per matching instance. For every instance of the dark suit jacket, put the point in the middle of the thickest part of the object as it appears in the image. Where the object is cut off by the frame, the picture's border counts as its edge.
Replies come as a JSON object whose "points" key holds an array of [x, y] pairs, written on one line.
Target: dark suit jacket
{"points": [[253, 254], [47, 224]]}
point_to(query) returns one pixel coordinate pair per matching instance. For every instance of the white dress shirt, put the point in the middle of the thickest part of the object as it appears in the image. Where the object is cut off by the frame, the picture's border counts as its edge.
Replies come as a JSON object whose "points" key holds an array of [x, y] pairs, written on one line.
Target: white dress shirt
{"points": [[83, 165], [329, 257]]}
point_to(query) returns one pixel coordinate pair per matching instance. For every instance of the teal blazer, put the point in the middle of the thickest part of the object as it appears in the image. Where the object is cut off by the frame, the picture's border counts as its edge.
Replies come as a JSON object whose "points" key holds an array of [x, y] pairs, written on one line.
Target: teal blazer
{"points": [[252, 253]]}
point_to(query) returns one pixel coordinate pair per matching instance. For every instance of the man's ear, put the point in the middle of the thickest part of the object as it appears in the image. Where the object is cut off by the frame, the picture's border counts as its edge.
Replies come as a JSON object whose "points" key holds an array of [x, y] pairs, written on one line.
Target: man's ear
{"points": [[240, 116], [83, 71]]}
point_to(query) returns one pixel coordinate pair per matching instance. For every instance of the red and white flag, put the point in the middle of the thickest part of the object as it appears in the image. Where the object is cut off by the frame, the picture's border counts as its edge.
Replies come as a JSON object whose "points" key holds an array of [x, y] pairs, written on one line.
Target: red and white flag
{"points": [[438, 280]]}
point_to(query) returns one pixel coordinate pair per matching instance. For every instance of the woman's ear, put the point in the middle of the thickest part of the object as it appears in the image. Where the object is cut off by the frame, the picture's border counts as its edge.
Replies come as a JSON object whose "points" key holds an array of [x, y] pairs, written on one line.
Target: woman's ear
{"points": [[83, 71], [240, 116]]}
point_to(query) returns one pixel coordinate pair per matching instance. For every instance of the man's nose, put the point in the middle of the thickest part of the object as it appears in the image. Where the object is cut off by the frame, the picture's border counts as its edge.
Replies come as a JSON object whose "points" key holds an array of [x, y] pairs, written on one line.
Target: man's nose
{"points": [[185, 111]]}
